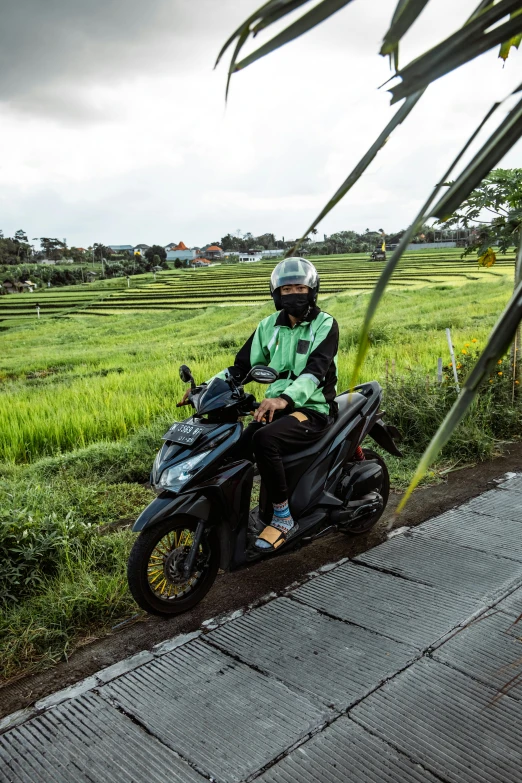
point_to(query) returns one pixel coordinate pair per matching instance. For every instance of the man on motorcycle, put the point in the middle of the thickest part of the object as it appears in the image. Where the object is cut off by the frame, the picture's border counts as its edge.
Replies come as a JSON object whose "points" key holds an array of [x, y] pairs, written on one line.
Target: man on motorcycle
{"points": [[300, 342]]}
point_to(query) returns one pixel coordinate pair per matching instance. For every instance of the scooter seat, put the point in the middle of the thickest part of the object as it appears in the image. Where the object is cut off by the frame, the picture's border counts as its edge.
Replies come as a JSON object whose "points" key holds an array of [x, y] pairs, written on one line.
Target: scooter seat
{"points": [[348, 404]]}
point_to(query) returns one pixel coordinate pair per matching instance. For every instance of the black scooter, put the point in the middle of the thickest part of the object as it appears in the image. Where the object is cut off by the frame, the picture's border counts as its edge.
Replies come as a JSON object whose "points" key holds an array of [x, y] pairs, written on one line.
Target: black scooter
{"points": [[201, 520]]}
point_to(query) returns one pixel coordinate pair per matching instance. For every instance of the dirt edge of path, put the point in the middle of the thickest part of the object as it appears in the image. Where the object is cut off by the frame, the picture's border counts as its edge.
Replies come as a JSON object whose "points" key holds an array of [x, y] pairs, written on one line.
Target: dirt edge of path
{"points": [[236, 590]]}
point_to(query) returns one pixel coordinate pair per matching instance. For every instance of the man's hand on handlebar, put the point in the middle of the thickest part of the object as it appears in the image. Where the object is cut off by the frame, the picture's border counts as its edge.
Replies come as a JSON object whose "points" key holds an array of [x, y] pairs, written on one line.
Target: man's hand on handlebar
{"points": [[185, 399], [268, 408]]}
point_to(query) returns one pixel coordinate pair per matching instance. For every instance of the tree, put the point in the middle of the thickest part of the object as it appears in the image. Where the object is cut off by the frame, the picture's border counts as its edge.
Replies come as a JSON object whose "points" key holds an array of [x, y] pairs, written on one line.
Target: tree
{"points": [[490, 25], [101, 251], [78, 255], [492, 212], [155, 250], [178, 263], [53, 248], [21, 236]]}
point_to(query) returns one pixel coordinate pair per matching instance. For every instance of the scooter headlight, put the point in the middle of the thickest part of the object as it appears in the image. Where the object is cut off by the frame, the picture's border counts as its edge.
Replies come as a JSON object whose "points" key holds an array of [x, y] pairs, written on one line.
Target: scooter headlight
{"points": [[173, 478]]}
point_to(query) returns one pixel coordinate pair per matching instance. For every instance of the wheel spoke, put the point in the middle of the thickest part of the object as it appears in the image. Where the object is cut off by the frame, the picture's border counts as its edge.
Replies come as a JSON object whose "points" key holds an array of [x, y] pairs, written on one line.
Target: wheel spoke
{"points": [[164, 568]]}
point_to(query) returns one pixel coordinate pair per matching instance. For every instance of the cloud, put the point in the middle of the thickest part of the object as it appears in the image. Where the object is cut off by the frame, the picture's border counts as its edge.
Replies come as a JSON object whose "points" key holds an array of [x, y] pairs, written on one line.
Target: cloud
{"points": [[53, 53], [116, 130]]}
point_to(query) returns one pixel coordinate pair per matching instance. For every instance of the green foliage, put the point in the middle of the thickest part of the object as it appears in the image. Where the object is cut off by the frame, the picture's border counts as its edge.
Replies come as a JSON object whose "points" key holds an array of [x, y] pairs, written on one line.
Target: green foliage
{"points": [[493, 211], [155, 250]]}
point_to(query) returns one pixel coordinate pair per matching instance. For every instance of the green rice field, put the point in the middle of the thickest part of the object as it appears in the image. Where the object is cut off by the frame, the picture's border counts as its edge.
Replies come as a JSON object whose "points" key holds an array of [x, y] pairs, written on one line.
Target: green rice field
{"points": [[239, 285], [76, 379]]}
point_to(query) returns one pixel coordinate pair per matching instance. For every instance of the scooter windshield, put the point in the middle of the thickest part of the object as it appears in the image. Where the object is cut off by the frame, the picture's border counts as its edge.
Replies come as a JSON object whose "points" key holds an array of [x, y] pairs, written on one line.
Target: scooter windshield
{"points": [[217, 395]]}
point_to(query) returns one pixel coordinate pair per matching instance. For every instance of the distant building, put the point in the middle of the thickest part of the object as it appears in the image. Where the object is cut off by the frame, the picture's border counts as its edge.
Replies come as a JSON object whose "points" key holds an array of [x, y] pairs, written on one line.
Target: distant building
{"points": [[140, 249], [418, 246], [181, 252], [245, 258], [121, 248], [201, 262], [18, 288], [213, 252]]}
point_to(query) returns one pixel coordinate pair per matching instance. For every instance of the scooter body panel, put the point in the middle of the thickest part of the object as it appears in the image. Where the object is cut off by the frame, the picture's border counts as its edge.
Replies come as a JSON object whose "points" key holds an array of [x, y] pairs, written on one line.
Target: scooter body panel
{"points": [[219, 494]]}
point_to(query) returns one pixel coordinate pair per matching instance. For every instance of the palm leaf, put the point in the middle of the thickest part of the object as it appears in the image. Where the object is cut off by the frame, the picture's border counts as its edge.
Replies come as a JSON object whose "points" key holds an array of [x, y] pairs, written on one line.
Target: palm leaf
{"points": [[391, 265], [477, 36], [498, 344], [268, 14], [302, 25], [500, 142], [286, 8], [406, 13], [514, 42]]}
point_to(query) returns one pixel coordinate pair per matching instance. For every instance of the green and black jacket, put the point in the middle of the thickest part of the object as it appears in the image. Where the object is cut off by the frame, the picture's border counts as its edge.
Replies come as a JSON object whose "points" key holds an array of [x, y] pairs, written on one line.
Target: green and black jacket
{"points": [[304, 355]]}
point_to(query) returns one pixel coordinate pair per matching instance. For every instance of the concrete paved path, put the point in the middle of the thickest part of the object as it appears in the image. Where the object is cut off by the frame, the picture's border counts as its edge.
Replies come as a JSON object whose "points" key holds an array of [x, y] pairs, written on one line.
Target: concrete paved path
{"points": [[384, 668]]}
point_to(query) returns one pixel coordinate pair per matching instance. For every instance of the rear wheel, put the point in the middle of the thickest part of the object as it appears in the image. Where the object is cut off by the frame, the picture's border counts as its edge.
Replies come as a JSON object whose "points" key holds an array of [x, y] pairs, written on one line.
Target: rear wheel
{"points": [[360, 526], [155, 567]]}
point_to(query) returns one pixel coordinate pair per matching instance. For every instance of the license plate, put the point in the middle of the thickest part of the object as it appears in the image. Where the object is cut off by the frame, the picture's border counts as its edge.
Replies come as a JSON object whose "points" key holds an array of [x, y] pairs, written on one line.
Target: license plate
{"points": [[186, 434]]}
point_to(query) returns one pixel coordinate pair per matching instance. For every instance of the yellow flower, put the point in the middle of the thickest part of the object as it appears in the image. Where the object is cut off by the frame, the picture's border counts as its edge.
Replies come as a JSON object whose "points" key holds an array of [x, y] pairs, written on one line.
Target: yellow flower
{"points": [[450, 365], [499, 373], [459, 366], [464, 352], [474, 340], [467, 345], [491, 381], [499, 361], [517, 382]]}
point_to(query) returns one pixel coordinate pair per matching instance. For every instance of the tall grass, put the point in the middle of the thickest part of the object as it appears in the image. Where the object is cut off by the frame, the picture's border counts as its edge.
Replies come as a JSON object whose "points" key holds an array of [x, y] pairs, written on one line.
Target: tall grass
{"points": [[67, 384]]}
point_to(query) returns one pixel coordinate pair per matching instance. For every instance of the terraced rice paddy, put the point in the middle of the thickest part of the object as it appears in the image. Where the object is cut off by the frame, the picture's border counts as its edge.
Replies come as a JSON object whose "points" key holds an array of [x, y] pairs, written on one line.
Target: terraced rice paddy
{"points": [[243, 284]]}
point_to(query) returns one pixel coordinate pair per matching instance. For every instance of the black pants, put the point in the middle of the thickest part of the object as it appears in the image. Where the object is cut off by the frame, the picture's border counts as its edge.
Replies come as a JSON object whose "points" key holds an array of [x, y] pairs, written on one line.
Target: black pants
{"points": [[287, 434]]}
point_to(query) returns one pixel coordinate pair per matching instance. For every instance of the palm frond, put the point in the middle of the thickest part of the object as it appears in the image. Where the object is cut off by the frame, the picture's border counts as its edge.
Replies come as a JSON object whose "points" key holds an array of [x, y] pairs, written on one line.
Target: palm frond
{"points": [[391, 265], [500, 142], [477, 36], [268, 14], [406, 13]]}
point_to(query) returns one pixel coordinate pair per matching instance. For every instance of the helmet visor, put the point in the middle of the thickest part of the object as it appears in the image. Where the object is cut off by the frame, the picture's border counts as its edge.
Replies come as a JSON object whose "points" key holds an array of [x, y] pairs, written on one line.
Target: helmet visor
{"points": [[294, 271]]}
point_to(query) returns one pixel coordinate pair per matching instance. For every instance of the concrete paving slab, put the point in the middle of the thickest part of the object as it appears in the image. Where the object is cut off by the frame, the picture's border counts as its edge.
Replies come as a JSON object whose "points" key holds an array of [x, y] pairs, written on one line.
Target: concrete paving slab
{"points": [[346, 752], [406, 611], [88, 741], [224, 717], [489, 650], [497, 503], [514, 483], [512, 604], [445, 721], [499, 536], [329, 660], [454, 568]]}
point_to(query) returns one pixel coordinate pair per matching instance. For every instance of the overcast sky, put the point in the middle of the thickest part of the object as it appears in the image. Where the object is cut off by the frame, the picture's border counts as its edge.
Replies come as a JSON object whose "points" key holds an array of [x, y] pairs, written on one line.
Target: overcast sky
{"points": [[113, 126]]}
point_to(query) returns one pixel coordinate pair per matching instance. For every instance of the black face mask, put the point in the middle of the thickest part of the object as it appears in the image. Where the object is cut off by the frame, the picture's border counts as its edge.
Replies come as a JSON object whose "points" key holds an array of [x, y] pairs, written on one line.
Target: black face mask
{"points": [[295, 304]]}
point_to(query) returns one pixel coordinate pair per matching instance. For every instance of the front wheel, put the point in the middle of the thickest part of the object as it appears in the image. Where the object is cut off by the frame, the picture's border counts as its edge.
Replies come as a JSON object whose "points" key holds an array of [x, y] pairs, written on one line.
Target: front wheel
{"points": [[155, 567]]}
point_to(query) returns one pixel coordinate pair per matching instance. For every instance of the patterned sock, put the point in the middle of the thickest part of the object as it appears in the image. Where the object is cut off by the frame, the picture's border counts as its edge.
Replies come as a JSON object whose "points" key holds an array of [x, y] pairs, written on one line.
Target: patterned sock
{"points": [[281, 519]]}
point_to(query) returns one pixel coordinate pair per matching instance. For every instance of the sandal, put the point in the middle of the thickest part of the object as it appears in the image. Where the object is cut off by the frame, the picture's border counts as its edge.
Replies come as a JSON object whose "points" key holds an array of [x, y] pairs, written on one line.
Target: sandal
{"points": [[275, 537]]}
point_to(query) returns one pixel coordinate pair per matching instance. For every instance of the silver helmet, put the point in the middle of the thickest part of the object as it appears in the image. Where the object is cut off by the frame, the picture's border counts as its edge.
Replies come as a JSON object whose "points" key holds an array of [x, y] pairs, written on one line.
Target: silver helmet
{"points": [[294, 271]]}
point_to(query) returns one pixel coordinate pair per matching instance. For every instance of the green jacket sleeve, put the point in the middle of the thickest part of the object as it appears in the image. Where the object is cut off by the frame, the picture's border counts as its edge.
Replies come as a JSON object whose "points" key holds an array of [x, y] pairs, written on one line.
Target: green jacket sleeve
{"points": [[324, 350]]}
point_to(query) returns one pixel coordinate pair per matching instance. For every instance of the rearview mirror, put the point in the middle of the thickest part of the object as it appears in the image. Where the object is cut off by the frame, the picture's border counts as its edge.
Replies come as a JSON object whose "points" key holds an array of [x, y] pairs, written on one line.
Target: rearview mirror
{"points": [[185, 374], [262, 374]]}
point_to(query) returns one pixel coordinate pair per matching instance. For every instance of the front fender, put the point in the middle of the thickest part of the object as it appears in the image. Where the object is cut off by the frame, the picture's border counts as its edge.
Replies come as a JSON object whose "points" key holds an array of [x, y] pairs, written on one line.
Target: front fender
{"points": [[165, 505]]}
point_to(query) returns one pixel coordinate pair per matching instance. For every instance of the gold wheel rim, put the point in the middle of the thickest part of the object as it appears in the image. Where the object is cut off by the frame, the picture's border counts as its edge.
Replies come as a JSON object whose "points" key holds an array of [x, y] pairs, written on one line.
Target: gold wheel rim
{"points": [[159, 581]]}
